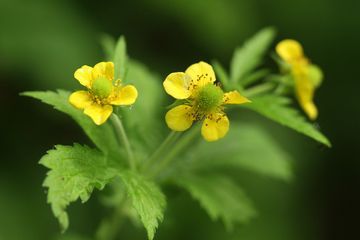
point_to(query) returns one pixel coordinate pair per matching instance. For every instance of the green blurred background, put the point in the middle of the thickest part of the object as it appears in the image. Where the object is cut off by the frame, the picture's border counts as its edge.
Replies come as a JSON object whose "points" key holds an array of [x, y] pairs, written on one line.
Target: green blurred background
{"points": [[43, 42]]}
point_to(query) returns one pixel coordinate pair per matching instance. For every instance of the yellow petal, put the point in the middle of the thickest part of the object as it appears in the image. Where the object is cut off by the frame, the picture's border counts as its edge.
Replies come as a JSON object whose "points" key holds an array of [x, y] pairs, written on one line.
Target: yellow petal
{"points": [[311, 110], [177, 85], [201, 74], [98, 113], [104, 69], [215, 126], [305, 91], [234, 97], [125, 96], [84, 76], [289, 50], [80, 99], [179, 118]]}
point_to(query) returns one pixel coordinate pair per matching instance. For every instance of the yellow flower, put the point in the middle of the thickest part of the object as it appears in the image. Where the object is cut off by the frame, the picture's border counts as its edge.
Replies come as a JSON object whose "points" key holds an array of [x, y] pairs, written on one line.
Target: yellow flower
{"points": [[307, 76], [203, 100], [102, 91]]}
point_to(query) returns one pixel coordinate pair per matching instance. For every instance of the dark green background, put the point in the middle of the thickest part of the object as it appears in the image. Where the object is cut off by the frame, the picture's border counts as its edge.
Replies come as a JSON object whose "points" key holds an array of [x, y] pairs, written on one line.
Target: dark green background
{"points": [[43, 42]]}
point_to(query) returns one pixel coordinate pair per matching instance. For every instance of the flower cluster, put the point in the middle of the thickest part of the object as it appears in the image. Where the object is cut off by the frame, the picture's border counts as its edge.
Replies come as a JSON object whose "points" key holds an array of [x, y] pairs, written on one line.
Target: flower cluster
{"points": [[307, 76], [102, 92], [202, 100]]}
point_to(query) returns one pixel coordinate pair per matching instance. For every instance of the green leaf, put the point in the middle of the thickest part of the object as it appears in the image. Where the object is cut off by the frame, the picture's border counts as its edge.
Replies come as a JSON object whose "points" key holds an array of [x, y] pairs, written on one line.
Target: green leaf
{"points": [[120, 59], [102, 136], [250, 55], [221, 73], [74, 173], [253, 77], [240, 148], [147, 199], [277, 109], [220, 197]]}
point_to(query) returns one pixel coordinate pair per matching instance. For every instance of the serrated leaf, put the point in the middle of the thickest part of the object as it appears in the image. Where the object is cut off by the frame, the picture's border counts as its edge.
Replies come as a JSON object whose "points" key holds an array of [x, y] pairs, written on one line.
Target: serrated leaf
{"points": [[220, 197], [277, 109], [102, 136], [147, 199], [250, 55], [74, 173], [120, 59], [240, 148]]}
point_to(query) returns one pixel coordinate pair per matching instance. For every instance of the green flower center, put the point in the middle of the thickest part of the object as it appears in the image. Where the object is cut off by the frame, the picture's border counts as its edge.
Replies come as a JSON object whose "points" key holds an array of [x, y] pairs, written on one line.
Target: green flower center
{"points": [[209, 98], [101, 87]]}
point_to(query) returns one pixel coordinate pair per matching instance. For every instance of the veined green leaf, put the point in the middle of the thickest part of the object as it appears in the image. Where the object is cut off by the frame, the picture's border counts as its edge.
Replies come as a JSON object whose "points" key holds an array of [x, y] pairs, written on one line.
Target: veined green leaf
{"points": [[250, 55], [220, 197], [74, 173], [120, 59], [147, 199], [102, 136], [276, 108], [246, 146]]}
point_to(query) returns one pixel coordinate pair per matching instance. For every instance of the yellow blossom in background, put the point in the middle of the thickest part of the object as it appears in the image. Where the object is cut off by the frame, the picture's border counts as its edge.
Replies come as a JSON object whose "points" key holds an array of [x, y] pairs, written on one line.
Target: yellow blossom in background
{"points": [[102, 91], [307, 76], [203, 100]]}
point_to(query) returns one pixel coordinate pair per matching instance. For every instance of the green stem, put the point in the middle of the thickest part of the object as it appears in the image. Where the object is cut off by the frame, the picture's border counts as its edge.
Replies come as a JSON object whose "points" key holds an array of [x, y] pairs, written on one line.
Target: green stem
{"points": [[110, 227], [120, 130], [258, 89], [164, 145], [177, 148]]}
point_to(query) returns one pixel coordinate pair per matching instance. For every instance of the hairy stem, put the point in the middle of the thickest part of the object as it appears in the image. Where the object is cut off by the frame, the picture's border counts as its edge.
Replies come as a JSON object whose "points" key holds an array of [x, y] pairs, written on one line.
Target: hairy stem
{"points": [[169, 140], [120, 130], [109, 228], [177, 148]]}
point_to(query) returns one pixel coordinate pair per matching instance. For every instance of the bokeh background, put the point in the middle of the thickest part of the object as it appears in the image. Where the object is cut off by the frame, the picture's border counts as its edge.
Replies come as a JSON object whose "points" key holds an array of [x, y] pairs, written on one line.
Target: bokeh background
{"points": [[42, 43]]}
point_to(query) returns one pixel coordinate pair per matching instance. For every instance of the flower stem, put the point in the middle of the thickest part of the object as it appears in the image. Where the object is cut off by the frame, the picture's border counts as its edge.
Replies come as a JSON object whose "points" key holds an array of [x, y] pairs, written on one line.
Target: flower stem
{"points": [[120, 130], [173, 152], [109, 228], [164, 145]]}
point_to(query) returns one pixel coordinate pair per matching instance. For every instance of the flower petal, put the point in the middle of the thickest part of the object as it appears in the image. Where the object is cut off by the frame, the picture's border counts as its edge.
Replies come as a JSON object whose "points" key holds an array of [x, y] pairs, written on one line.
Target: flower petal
{"points": [[84, 75], [289, 50], [215, 126], [234, 97], [201, 74], [176, 85], [125, 96], [179, 118], [305, 91], [104, 69], [80, 99], [98, 113]]}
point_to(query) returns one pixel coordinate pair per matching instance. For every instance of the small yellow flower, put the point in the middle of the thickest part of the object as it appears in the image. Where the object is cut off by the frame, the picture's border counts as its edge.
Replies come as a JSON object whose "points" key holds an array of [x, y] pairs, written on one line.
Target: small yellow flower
{"points": [[102, 91], [203, 100], [307, 76]]}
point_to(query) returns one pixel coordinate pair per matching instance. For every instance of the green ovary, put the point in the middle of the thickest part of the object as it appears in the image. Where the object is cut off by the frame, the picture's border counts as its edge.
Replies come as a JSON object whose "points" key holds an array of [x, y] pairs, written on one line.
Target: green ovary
{"points": [[102, 87], [209, 98]]}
